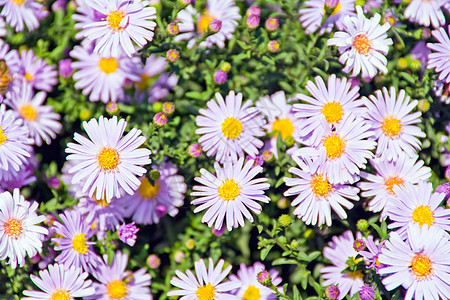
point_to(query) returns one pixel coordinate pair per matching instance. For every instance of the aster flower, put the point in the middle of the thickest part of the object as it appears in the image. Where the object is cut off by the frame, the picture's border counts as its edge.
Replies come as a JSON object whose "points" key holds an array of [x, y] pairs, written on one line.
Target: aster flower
{"points": [[346, 149], [420, 264], [230, 194], [13, 179], [229, 128], [75, 242], [338, 252], [21, 13], [60, 282], [154, 199], [389, 116], [205, 284], [315, 194], [20, 236], [417, 204], [439, 58], [101, 77], [126, 26], [426, 12], [115, 282], [193, 24], [312, 15], [36, 71], [108, 162], [362, 44], [85, 15], [327, 107], [250, 288], [374, 250], [15, 146], [41, 121], [390, 174]]}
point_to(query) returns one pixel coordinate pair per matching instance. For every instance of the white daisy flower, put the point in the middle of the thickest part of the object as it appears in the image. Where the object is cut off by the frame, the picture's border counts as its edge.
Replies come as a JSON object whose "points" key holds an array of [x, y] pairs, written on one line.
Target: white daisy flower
{"points": [[426, 12]]}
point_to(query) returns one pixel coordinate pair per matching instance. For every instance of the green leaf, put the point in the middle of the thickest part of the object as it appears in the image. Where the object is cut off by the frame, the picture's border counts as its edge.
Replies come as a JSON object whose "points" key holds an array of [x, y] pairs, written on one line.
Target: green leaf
{"points": [[284, 261], [296, 293], [265, 251], [408, 77]]}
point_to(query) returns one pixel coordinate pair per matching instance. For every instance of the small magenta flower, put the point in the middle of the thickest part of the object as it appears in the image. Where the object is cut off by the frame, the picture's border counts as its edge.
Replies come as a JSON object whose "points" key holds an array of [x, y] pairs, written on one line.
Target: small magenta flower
{"points": [[215, 25], [160, 119], [263, 277], [359, 245], [112, 107], [172, 55], [267, 156], [127, 233], [54, 183], [253, 21], [65, 68], [173, 28], [273, 46], [271, 24], [168, 108], [254, 10], [367, 293], [195, 150], [153, 261], [220, 77], [332, 292]]}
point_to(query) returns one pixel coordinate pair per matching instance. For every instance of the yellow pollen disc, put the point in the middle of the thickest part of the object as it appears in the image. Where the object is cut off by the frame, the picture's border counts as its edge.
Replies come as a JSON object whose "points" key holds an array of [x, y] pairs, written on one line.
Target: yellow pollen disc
{"points": [[232, 128], [29, 77], [320, 187], [204, 21], [423, 215], [283, 126], [229, 190], [13, 228], [421, 265], [3, 136], [60, 295], [206, 292], [114, 18], [334, 145], [390, 182], [251, 293], [108, 65], [148, 190], [108, 159], [361, 44], [333, 112], [28, 112], [117, 290], [101, 202], [391, 127], [355, 274], [79, 243]]}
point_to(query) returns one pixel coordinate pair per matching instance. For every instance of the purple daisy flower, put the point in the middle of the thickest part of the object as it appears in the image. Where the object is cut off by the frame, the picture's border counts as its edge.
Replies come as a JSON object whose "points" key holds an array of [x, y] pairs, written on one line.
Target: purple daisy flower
{"points": [[22, 12], [439, 58], [101, 77], [363, 44], [206, 283], [315, 194], [417, 204], [108, 162], [60, 282], [426, 12], [13, 179], [20, 236], [37, 72], [394, 126], [154, 200], [229, 128], [75, 242], [326, 108], [420, 264], [346, 149], [374, 250], [312, 15], [126, 26], [85, 15], [117, 283], [41, 121], [390, 174]]}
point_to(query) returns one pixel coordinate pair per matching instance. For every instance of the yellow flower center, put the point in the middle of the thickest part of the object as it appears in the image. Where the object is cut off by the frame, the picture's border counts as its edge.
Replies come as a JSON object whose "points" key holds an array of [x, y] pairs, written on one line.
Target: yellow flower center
{"points": [[391, 181], [3, 136], [251, 293], [355, 274], [283, 126], [232, 128], [60, 295], [423, 215], [391, 127], [204, 21], [108, 159], [29, 77], [320, 187], [13, 228], [361, 43], [334, 145], [114, 18], [117, 290], [101, 202], [206, 292], [421, 266], [28, 112], [229, 190], [108, 65], [333, 112], [79, 243], [148, 190]]}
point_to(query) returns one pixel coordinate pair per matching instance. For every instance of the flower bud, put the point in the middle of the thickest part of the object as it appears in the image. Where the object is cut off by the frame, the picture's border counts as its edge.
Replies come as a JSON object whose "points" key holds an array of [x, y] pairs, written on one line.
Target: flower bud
{"points": [[65, 67], [160, 210], [362, 225], [367, 293], [253, 21], [254, 10], [284, 220], [267, 156], [271, 24], [332, 292], [220, 77], [160, 119], [215, 25], [225, 66], [54, 182], [179, 255], [168, 108], [153, 261], [263, 277], [273, 46], [173, 28], [190, 243], [112, 107], [172, 55], [195, 150]]}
